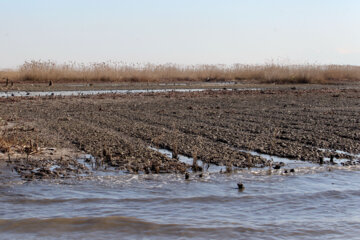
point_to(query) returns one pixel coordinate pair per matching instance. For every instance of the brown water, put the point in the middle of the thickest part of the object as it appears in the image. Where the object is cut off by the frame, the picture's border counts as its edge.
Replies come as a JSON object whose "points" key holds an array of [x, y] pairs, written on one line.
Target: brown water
{"points": [[312, 203]]}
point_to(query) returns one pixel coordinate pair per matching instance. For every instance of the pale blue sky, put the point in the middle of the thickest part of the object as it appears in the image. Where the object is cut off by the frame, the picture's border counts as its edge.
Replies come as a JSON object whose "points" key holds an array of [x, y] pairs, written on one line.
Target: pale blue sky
{"points": [[180, 31]]}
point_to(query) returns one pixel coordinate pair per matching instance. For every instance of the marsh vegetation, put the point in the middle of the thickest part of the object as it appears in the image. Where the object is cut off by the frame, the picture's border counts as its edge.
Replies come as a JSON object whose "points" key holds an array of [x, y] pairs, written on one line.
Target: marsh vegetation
{"points": [[50, 72]]}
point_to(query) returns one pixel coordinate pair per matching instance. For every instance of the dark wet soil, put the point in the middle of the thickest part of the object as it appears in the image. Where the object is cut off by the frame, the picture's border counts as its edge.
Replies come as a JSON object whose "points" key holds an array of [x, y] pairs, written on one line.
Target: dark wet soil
{"points": [[213, 126]]}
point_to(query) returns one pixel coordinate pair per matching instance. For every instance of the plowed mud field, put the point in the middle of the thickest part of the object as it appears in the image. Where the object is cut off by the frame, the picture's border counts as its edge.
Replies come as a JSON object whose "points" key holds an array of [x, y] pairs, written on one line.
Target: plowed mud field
{"points": [[218, 127]]}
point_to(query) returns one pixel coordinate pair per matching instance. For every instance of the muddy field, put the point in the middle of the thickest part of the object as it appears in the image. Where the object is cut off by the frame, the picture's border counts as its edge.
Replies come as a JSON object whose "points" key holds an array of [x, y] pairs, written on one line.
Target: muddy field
{"points": [[98, 86], [214, 126]]}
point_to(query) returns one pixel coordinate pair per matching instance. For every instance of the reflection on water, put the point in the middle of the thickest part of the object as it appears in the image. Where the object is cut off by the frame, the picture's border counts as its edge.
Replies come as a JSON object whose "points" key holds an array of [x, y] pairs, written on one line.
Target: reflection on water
{"points": [[312, 203]]}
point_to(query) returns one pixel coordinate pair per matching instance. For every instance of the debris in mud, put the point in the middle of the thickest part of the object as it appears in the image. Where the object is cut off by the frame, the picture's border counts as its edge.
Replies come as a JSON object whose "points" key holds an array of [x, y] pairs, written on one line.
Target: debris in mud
{"points": [[32, 162], [187, 176], [279, 165], [241, 186]]}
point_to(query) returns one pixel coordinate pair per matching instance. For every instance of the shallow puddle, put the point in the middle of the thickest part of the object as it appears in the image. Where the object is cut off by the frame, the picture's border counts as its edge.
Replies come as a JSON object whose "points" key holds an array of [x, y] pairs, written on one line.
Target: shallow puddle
{"points": [[288, 164], [95, 92], [189, 161], [97, 168], [352, 155]]}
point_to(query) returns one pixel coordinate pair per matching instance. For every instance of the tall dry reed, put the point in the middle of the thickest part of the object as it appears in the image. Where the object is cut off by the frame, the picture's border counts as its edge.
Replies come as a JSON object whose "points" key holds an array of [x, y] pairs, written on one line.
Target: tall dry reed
{"points": [[45, 71]]}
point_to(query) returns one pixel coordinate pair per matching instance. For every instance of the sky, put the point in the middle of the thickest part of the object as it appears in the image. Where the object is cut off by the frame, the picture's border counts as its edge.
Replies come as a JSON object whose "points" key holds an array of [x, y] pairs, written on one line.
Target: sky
{"points": [[180, 31]]}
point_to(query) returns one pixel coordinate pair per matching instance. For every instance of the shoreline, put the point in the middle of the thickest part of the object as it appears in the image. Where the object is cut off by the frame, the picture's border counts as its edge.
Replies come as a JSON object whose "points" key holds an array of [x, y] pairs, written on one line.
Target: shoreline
{"points": [[80, 86]]}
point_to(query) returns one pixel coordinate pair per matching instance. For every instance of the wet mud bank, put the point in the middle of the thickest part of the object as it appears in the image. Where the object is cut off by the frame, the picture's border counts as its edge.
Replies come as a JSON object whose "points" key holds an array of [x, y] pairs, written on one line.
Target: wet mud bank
{"points": [[46, 137]]}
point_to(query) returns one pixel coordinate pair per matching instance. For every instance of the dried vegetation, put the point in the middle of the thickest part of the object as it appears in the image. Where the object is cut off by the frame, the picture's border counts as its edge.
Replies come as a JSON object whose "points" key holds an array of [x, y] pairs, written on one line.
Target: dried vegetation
{"points": [[49, 72]]}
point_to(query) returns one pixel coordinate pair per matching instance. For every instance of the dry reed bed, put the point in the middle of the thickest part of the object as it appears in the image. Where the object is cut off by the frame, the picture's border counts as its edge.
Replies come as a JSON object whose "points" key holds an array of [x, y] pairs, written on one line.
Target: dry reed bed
{"points": [[45, 71]]}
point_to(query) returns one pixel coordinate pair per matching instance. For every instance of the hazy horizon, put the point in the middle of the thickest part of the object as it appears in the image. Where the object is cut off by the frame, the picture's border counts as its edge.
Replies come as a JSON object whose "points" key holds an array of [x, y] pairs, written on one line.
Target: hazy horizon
{"points": [[180, 32]]}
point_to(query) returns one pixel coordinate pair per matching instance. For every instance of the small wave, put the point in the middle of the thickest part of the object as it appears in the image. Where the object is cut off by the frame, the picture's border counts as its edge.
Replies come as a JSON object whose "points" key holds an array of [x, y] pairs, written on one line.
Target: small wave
{"points": [[208, 199], [46, 201], [82, 224], [120, 227], [125, 225]]}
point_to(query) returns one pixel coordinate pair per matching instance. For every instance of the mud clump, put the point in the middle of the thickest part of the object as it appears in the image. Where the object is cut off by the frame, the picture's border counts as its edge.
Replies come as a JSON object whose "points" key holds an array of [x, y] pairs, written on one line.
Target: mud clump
{"points": [[47, 164]]}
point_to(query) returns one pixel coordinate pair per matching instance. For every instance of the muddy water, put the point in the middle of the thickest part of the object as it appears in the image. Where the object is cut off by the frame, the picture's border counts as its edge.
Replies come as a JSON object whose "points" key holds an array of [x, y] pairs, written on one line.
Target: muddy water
{"points": [[315, 202]]}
